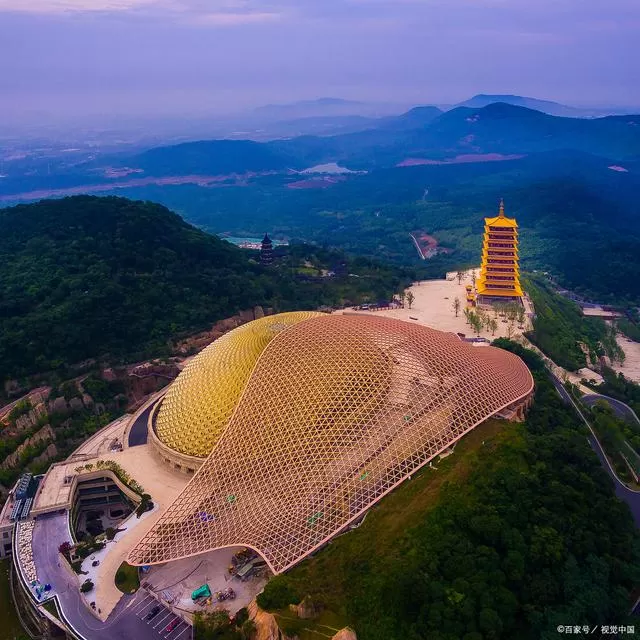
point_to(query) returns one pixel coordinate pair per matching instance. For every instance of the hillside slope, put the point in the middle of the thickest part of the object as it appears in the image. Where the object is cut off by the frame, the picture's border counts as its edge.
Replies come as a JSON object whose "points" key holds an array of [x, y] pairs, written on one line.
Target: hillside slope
{"points": [[210, 157], [505, 128], [82, 277]]}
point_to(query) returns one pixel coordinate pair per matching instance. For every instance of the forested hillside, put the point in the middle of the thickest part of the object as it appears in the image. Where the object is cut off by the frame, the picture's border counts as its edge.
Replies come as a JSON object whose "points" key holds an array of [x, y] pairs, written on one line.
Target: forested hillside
{"points": [[84, 277], [560, 329], [517, 532], [213, 157], [578, 218]]}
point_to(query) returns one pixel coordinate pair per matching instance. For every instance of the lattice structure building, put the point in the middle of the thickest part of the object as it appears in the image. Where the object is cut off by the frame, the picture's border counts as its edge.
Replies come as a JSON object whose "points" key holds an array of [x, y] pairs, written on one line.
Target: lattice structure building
{"points": [[337, 411], [200, 402], [499, 271]]}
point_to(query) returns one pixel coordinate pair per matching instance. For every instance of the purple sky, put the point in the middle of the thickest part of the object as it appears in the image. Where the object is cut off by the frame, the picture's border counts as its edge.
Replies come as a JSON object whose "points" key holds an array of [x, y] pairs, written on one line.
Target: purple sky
{"points": [[215, 56]]}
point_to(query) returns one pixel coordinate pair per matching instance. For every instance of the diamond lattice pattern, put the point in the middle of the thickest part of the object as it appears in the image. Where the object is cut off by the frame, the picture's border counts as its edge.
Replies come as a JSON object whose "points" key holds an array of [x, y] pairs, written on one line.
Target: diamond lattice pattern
{"points": [[338, 411], [200, 402]]}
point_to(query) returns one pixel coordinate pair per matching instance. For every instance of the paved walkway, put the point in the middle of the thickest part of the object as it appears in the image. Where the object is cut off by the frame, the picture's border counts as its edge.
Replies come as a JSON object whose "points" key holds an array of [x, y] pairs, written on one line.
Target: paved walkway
{"points": [[432, 306]]}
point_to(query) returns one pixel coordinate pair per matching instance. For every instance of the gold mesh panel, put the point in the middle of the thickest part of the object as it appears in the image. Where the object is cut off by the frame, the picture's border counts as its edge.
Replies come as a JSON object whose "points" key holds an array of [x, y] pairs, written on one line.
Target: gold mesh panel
{"points": [[200, 402], [337, 412]]}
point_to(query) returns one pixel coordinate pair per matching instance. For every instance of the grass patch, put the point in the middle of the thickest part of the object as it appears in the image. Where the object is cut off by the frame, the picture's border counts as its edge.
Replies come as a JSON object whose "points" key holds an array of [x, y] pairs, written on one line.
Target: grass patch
{"points": [[50, 606], [326, 625], [127, 578], [10, 629]]}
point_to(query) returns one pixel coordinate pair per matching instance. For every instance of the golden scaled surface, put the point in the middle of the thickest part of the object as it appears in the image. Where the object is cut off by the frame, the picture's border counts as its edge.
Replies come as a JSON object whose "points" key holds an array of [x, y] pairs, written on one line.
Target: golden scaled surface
{"points": [[197, 407], [338, 411]]}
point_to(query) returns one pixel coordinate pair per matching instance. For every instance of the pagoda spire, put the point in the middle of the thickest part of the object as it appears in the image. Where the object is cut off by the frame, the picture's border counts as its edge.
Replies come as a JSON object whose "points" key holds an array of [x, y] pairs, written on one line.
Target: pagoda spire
{"points": [[501, 214]]}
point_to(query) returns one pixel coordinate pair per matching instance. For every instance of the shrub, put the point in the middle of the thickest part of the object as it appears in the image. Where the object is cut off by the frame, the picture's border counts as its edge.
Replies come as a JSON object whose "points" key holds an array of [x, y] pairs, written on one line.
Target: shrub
{"points": [[65, 548], [277, 595], [87, 586], [127, 578], [20, 408], [77, 566], [215, 624], [248, 629], [291, 627], [146, 504], [95, 528], [242, 616], [110, 533]]}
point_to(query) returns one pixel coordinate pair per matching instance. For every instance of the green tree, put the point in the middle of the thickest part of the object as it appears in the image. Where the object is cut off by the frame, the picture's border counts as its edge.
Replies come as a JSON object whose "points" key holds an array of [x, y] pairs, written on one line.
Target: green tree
{"points": [[86, 586]]}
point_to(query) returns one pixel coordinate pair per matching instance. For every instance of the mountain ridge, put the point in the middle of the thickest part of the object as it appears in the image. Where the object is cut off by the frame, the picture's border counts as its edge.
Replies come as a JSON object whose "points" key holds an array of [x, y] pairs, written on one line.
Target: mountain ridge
{"points": [[545, 106]]}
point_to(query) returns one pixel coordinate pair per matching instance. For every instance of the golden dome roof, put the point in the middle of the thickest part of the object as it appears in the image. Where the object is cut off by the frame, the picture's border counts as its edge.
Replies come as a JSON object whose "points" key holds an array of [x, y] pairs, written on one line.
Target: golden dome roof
{"points": [[200, 402]]}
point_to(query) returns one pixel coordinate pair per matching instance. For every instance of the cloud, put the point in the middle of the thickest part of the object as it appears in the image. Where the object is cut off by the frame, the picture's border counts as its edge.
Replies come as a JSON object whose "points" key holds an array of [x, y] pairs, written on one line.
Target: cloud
{"points": [[342, 12], [230, 19], [68, 6], [211, 13]]}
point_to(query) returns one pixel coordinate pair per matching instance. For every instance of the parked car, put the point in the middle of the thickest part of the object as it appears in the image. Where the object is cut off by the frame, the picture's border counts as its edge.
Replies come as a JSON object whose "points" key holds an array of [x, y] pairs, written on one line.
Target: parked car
{"points": [[153, 613], [173, 624]]}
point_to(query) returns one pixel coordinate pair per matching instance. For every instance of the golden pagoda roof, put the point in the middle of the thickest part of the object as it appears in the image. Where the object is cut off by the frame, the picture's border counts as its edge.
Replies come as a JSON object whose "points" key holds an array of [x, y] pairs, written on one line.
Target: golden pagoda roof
{"points": [[337, 412], [500, 220], [200, 402]]}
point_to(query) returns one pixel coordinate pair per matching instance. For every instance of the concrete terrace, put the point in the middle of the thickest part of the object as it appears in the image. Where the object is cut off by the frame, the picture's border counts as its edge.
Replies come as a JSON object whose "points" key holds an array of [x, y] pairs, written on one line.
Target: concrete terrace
{"points": [[433, 307]]}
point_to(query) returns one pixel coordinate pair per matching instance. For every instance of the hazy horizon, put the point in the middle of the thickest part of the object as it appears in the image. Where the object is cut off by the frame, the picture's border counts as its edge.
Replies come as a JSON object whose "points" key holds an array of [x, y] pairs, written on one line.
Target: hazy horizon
{"points": [[100, 59]]}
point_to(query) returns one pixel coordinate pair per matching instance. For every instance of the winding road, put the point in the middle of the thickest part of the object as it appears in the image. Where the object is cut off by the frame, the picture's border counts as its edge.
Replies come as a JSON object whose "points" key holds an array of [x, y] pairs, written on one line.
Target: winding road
{"points": [[632, 498], [621, 409]]}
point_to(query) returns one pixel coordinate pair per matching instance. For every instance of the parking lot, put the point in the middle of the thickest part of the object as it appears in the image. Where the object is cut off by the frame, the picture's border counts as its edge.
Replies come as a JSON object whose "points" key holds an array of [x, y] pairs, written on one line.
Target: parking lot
{"points": [[159, 622]]}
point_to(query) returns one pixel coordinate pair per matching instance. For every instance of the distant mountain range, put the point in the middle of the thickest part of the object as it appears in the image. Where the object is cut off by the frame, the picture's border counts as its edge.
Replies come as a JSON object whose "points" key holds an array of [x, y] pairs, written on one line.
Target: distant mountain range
{"points": [[545, 106], [324, 116], [212, 157], [428, 170], [424, 134], [324, 107]]}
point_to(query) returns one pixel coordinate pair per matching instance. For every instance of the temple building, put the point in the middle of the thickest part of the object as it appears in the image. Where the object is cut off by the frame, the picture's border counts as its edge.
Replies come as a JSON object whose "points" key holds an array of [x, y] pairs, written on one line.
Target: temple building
{"points": [[266, 251], [499, 279]]}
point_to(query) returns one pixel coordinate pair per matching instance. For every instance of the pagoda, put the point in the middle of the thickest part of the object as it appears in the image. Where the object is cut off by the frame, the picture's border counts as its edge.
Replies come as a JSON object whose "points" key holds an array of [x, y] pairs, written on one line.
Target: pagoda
{"points": [[499, 279], [266, 251]]}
